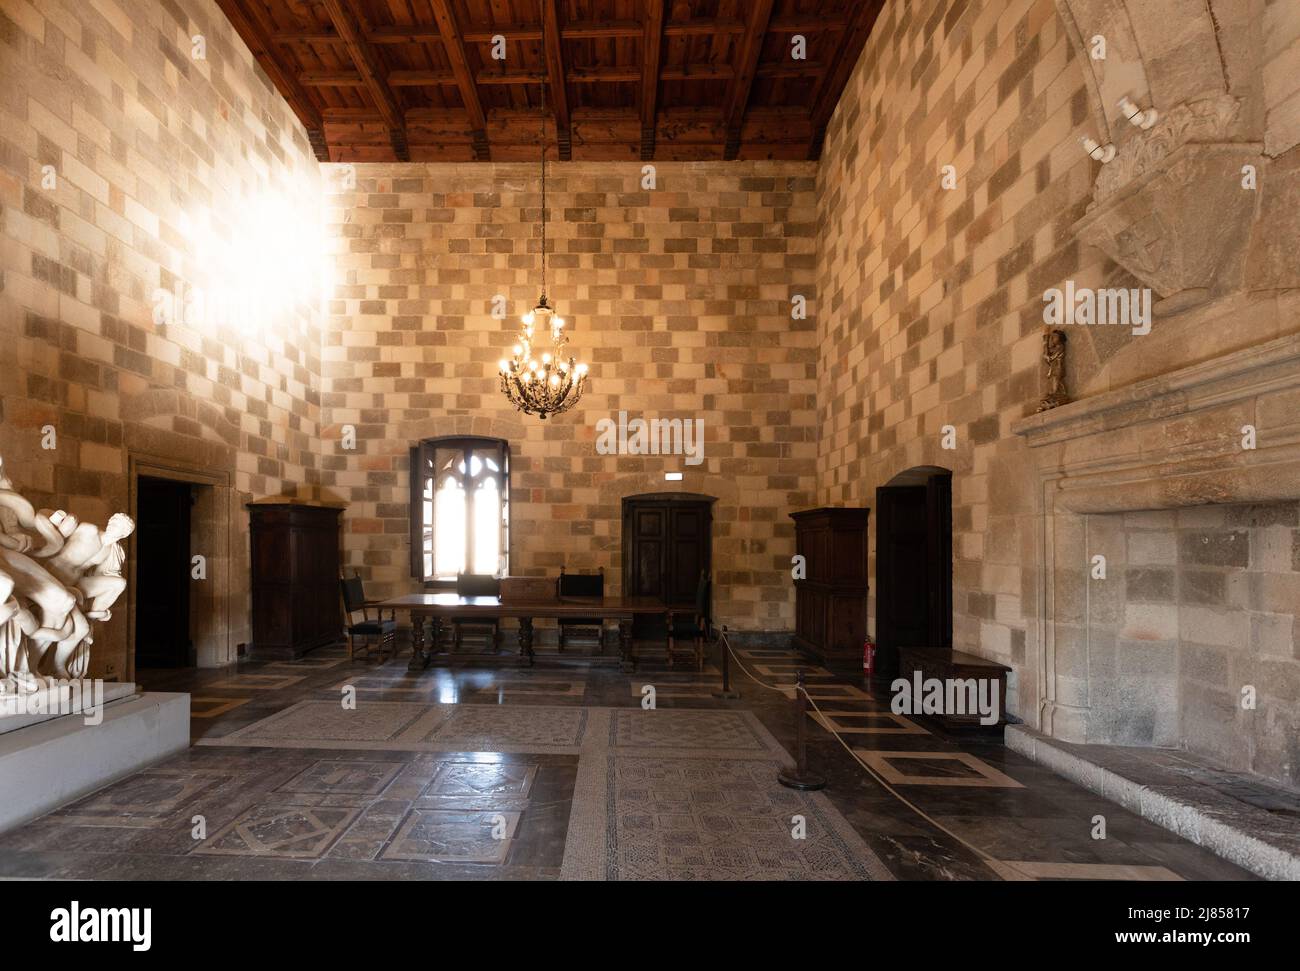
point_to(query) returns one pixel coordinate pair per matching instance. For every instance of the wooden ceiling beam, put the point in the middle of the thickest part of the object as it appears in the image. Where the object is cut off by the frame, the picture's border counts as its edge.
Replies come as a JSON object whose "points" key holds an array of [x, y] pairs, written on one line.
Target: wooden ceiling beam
{"points": [[510, 77], [575, 30], [656, 119], [586, 75], [830, 86], [454, 44], [372, 71], [806, 24], [256, 35], [652, 46], [330, 79], [558, 87], [751, 47]]}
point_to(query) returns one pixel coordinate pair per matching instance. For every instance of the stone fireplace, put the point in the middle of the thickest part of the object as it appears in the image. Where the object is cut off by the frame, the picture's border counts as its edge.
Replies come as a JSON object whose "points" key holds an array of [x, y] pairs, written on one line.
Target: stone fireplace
{"points": [[1170, 562]]}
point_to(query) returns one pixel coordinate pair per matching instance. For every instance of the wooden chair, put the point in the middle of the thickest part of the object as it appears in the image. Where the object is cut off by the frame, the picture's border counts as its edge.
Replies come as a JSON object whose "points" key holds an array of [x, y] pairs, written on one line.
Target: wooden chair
{"points": [[696, 626], [484, 629], [581, 585], [378, 633]]}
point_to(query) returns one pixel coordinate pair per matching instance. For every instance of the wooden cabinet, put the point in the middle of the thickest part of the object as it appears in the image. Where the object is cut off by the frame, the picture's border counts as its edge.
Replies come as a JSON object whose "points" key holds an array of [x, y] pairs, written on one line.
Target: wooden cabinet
{"points": [[295, 578], [831, 601]]}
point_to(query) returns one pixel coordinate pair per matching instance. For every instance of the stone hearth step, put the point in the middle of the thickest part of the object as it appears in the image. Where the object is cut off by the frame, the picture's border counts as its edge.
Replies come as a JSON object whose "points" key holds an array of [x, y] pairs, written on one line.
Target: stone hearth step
{"points": [[1244, 820]]}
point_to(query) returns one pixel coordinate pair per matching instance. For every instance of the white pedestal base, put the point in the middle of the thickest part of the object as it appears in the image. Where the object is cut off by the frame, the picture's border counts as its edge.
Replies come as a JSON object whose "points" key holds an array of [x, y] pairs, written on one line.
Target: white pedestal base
{"points": [[46, 765]]}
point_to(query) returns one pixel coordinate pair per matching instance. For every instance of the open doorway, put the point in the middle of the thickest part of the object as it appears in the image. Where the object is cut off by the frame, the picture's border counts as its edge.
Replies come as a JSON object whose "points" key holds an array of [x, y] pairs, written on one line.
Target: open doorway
{"points": [[913, 563], [162, 613]]}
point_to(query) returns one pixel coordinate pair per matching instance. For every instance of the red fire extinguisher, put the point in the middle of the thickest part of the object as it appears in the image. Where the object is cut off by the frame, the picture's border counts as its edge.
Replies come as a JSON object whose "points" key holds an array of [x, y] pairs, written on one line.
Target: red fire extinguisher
{"points": [[868, 657]]}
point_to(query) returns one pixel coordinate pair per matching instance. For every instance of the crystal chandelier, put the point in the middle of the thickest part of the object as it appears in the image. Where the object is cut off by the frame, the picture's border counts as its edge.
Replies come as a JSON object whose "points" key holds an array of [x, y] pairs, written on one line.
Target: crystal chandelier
{"points": [[554, 384]]}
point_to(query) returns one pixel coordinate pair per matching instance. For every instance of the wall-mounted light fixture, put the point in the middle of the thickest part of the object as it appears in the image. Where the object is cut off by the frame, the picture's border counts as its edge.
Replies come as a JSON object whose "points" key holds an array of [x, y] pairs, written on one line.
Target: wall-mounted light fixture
{"points": [[672, 477], [1095, 150], [1136, 116]]}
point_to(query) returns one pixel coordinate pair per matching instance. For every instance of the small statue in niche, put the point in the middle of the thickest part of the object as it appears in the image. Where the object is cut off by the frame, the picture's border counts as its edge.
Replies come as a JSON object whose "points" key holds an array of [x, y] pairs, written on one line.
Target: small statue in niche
{"points": [[1054, 341]]}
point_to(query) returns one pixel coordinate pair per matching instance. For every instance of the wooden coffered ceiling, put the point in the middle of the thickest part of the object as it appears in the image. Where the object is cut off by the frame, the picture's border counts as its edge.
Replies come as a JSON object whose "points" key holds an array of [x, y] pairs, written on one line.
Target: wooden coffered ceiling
{"points": [[416, 80]]}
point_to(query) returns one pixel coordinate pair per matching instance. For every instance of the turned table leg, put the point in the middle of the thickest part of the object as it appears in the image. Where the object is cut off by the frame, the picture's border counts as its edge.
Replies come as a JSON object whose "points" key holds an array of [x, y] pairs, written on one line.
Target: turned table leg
{"points": [[627, 661], [526, 640], [672, 640], [435, 633], [417, 643]]}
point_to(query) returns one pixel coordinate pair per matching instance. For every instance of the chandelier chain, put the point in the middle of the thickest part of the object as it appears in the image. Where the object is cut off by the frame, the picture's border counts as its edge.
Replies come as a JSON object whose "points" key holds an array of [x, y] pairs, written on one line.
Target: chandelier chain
{"points": [[542, 141], [554, 384]]}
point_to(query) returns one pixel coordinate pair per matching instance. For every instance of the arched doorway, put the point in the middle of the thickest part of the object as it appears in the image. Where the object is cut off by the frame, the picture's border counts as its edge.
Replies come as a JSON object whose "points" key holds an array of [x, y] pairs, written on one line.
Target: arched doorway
{"points": [[913, 563]]}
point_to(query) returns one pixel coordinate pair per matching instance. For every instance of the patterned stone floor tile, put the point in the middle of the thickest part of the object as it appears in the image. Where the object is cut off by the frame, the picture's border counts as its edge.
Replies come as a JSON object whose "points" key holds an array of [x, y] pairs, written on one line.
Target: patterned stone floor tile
{"points": [[204, 707], [706, 819], [359, 778], [866, 723], [688, 731], [256, 682], [144, 799], [284, 831], [936, 769], [454, 836]]}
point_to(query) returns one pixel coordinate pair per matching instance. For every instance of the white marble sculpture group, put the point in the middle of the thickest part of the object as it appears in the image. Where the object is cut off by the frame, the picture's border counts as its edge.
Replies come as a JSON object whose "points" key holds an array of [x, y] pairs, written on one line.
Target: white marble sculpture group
{"points": [[57, 576]]}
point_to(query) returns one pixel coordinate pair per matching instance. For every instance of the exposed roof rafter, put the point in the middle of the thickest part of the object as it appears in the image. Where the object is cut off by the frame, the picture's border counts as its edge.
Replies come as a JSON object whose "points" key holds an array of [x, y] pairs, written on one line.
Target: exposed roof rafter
{"points": [[373, 73], [751, 47], [652, 46], [454, 44], [557, 88], [667, 85]]}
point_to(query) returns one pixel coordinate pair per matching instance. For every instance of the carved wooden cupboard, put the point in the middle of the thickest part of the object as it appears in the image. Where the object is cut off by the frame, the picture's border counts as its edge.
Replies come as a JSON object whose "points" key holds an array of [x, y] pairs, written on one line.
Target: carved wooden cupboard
{"points": [[831, 600], [295, 578]]}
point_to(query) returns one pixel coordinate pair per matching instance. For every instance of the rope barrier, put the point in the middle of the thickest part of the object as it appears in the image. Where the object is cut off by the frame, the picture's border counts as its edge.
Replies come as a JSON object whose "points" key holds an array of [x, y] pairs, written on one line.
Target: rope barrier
{"points": [[825, 723]]}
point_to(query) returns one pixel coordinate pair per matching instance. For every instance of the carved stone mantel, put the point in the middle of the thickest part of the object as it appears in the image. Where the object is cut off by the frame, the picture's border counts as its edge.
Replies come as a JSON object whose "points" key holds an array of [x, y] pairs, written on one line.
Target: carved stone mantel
{"points": [[1167, 442], [1164, 432], [1180, 222]]}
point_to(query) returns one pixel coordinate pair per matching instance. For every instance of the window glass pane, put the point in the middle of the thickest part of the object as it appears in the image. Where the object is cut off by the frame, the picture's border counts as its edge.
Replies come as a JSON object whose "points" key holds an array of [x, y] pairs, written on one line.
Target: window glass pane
{"points": [[449, 528], [452, 535], [487, 527]]}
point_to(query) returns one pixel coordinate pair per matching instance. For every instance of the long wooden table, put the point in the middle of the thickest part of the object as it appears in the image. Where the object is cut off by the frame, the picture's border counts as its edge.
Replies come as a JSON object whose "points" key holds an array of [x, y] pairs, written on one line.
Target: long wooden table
{"points": [[432, 609]]}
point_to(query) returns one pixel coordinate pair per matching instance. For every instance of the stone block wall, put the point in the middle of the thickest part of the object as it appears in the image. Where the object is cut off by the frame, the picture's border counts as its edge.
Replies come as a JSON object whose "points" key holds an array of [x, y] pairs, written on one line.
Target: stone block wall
{"points": [[930, 312], [131, 165], [1199, 603], [679, 297], [930, 298], [1281, 36]]}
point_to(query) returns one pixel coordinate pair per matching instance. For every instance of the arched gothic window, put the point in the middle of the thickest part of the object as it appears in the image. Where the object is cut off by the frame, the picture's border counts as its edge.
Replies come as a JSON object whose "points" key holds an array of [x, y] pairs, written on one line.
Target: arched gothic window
{"points": [[460, 508]]}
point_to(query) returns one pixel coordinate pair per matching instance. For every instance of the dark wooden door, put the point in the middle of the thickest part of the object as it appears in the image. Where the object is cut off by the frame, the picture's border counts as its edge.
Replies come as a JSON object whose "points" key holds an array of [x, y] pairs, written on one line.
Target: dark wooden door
{"points": [[938, 555], [666, 545], [162, 574], [913, 568]]}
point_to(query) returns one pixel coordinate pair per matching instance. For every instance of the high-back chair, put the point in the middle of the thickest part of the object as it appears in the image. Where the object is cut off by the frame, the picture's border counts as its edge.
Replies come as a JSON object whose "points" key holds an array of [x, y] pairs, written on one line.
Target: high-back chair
{"points": [[696, 626], [378, 633], [585, 585], [481, 629]]}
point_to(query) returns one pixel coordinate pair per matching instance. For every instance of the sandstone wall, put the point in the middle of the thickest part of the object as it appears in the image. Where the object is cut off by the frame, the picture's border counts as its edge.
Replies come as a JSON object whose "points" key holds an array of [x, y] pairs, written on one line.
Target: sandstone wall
{"points": [[127, 166], [931, 299], [680, 299]]}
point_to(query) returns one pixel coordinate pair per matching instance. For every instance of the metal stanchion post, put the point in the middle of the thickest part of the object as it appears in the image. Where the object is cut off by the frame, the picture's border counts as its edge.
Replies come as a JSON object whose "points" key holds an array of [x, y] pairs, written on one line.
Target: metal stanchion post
{"points": [[726, 691], [801, 778]]}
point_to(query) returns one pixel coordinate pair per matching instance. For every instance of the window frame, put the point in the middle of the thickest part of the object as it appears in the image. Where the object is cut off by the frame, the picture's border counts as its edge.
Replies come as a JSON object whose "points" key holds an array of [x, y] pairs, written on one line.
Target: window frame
{"points": [[423, 452]]}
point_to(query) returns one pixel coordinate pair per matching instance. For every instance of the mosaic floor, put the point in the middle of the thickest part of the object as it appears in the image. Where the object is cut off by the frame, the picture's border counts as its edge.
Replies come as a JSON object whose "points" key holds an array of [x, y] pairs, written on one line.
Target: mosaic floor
{"points": [[329, 769]]}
